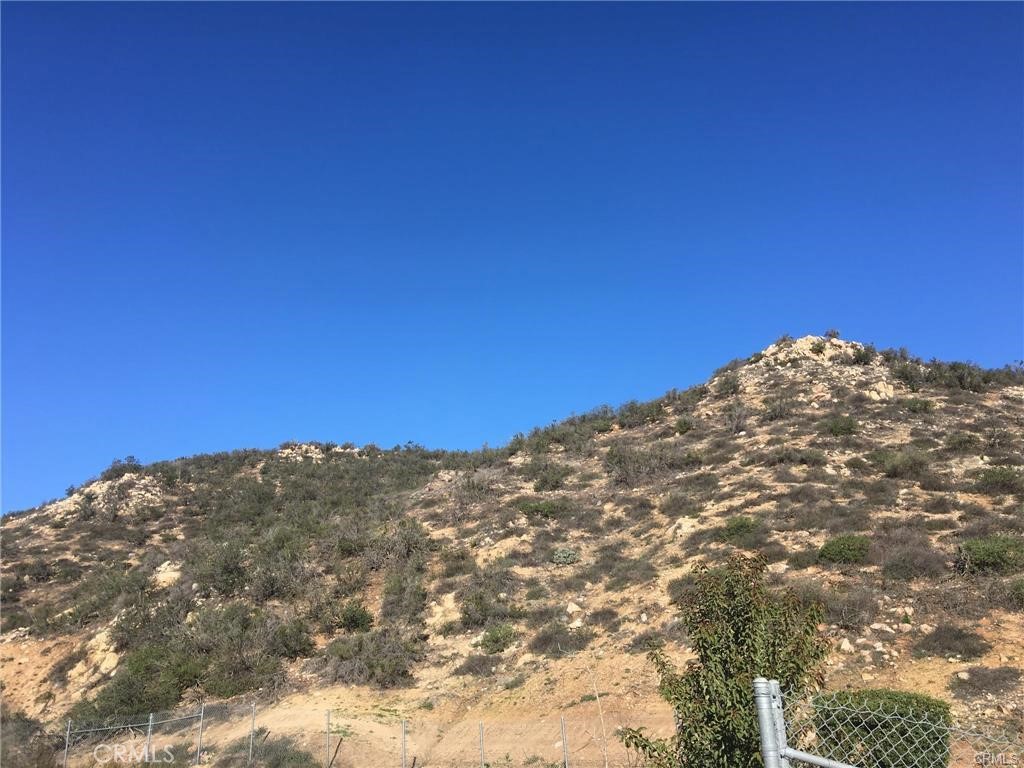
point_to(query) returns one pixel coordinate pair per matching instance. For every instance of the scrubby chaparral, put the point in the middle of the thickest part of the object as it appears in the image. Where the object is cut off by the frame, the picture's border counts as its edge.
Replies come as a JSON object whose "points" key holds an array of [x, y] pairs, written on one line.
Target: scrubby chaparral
{"points": [[883, 492]]}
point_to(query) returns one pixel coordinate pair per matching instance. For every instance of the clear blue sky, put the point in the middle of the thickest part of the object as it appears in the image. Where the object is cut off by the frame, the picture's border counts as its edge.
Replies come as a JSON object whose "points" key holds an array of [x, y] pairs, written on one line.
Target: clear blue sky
{"points": [[230, 225]]}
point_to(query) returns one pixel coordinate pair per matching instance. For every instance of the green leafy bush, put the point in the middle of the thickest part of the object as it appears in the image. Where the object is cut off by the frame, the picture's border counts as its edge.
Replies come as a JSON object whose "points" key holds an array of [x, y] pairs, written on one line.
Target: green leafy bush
{"points": [[999, 480], [908, 463], [354, 617], [918, 405], [882, 727], [738, 629], [634, 414], [728, 384], [565, 556], [991, 554], [498, 638], [848, 549], [839, 426]]}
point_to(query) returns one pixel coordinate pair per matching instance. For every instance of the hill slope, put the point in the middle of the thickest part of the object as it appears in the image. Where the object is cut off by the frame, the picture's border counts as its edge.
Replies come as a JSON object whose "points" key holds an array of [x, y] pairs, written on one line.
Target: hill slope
{"points": [[888, 488]]}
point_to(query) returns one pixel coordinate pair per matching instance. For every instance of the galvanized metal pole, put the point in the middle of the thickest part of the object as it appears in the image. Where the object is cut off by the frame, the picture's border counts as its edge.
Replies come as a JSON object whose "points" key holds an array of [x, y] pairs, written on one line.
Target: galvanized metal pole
{"points": [[199, 742], [327, 742], [149, 738], [766, 723], [565, 744], [481, 745], [405, 729], [252, 731], [67, 744]]}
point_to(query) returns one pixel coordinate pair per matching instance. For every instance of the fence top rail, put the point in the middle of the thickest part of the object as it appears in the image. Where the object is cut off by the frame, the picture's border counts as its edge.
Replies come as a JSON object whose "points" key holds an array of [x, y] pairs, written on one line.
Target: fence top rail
{"points": [[135, 725]]}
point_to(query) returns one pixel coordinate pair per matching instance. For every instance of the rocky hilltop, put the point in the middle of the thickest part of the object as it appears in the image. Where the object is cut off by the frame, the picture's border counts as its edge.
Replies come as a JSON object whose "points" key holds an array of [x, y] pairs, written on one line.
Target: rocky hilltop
{"points": [[518, 579]]}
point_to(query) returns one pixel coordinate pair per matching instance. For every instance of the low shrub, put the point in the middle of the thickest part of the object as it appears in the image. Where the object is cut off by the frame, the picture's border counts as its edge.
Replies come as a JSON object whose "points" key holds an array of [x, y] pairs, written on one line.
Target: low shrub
{"points": [[565, 556], [268, 752], [381, 657], [498, 638], [995, 481], [991, 554], [918, 405], [839, 426], [848, 549], [907, 464], [1015, 594], [555, 640], [950, 640], [681, 505], [354, 617], [477, 665], [24, 743], [962, 442], [728, 384], [884, 727], [634, 414]]}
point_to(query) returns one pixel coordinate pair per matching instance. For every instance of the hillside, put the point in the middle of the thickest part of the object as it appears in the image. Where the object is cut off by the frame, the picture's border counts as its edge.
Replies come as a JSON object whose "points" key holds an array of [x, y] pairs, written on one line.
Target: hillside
{"points": [[519, 578]]}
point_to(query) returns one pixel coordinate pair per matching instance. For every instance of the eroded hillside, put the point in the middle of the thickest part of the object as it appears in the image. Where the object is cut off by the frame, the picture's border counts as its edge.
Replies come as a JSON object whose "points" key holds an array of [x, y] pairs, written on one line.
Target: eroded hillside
{"points": [[522, 577]]}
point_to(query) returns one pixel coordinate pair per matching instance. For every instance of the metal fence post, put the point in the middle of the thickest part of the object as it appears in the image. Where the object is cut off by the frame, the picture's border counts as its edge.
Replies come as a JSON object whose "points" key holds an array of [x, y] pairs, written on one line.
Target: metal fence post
{"points": [[565, 744], [481, 745], [327, 742], [766, 723], [199, 742], [149, 738], [252, 731], [405, 729], [67, 744]]}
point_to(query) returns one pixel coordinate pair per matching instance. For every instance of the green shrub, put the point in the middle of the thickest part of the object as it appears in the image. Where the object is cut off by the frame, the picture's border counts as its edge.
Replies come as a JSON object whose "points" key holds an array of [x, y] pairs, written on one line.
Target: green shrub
{"points": [[991, 554], [838, 426], [547, 475], [950, 640], [848, 549], [862, 355], [634, 414], [999, 480], [456, 561], [148, 679], [498, 638], [908, 463], [404, 596], [565, 556], [881, 727], [728, 384], [631, 466], [354, 617], [918, 405], [381, 657], [739, 629], [684, 424], [291, 639], [557, 508]]}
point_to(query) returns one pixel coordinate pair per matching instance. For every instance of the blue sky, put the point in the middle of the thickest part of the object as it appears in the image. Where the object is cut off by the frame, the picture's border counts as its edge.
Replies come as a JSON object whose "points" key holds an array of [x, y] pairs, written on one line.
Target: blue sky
{"points": [[230, 225]]}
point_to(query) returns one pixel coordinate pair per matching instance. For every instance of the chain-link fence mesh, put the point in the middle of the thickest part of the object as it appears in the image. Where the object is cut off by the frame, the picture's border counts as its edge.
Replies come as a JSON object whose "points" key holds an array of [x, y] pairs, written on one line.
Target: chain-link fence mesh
{"points": [[234, 735], [878, 729]]}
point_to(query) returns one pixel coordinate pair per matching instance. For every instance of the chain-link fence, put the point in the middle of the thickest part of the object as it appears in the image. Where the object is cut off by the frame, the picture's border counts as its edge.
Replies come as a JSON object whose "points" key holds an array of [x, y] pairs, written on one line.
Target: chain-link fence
{"points": [[871, 729], [235, 735]]}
